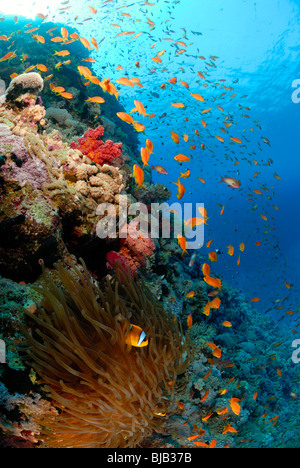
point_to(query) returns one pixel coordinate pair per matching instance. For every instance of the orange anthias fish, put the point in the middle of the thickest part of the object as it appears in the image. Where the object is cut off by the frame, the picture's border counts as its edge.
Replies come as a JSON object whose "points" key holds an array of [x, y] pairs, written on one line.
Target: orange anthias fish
{"points": [[124, 81], [62, 53], [181, 189], [95, 43], [175, 137], [231, 182], [96, 99], [230, 250], [85, 43], [214, 282], [217, 352], [85, 71], [229, 428], [215, 303], [67, 95], [227, 324], [198, 97], [160, 170], [145, 156], [236, 408], [149, 146], [193, 222], [138, 127], [213, 256], [182, 158], [38, 38], [183, 243], [205, 269], [8, 56], [190, 295], [139, 176], [140, 108], [125, 117], [186, 174], [108, 87]]}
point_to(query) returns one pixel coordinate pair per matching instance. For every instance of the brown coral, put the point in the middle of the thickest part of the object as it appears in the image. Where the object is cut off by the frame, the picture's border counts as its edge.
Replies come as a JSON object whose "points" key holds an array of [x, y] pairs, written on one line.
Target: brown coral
{"points": [[106, 392], [26, 83]]}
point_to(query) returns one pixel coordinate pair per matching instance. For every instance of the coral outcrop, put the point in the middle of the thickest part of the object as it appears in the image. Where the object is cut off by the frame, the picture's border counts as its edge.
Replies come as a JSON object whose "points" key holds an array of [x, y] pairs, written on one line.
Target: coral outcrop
{"points": [[49, 192], [105, 392], [96, 149], [30, 84]]}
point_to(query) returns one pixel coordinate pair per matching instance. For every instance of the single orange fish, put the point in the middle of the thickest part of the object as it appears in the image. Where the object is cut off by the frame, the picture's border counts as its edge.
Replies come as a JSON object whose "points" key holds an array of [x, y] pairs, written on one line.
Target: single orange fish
{"points": [[213, 256], [205, 396], [215, 303], [214, 282], [145, 156], [41, 67], [229, 428], [85, 43], [62, 53], [190, 295], [198, 97], [175, 137], [183, 243], [182, 158], [67, 95], [227, 324], [181, 189], [236, 408], [140, 108], [230, 250], [139, 176]]}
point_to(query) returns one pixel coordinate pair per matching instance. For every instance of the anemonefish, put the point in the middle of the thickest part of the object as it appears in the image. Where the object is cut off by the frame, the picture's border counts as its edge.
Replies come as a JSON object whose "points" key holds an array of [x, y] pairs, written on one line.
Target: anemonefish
{"points": [[136, 337]]}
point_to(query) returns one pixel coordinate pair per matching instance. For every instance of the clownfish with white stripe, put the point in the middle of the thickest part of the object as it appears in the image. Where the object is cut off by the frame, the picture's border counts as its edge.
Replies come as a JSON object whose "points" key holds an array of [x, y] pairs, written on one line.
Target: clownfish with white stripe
{"points": [[136, 336]]}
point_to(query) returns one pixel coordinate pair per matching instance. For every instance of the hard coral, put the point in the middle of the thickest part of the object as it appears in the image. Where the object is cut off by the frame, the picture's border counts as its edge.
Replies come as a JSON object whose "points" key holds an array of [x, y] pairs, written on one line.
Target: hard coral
{"points": [[106, 391], [97, 150], [26, 83]]}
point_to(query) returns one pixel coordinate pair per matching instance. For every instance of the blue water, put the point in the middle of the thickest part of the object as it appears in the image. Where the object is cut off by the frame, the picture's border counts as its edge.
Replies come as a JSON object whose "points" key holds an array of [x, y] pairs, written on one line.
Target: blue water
{"points": [[255, 49]]}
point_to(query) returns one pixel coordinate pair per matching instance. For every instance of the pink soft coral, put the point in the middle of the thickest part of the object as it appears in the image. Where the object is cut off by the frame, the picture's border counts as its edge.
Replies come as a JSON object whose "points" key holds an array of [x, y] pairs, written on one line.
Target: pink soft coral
{"points": [[99, 151], [133, 252]]}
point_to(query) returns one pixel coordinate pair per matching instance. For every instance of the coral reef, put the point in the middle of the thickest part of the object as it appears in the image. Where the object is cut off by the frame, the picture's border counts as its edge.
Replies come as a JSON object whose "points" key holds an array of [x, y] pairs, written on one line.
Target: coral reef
{"points": [[80, 384], [48, 191], [62, 119]]}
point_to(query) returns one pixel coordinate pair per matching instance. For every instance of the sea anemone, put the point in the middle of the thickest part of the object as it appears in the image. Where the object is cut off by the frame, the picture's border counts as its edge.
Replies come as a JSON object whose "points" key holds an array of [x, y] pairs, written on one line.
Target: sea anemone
{"points": [[107, 393]]}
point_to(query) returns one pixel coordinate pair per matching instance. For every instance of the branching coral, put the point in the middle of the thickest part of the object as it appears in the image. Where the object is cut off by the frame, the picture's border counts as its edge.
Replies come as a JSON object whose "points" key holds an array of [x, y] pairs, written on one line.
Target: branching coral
{"points": [[97, 150], [106, 392]]}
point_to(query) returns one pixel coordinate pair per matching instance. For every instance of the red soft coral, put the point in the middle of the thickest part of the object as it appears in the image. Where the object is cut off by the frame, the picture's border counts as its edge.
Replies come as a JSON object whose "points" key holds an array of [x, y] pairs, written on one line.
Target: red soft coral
{"points": [[99, 151], [133, 252], [136, 250]]}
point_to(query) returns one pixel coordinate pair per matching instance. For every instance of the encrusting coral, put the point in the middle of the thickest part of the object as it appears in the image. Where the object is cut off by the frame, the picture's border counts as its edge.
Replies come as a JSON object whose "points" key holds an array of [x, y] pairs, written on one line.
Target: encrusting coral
{"points": [[106, 391]]}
